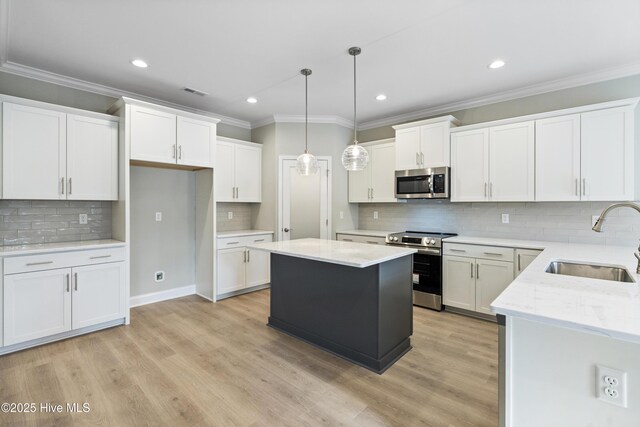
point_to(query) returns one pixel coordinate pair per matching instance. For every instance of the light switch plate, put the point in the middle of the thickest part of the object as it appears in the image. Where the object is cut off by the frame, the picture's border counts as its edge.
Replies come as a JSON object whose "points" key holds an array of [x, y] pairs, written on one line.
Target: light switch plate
{"points": [[375, 214], [341, 214], [229, 215], [158, 216], [505, 218]]}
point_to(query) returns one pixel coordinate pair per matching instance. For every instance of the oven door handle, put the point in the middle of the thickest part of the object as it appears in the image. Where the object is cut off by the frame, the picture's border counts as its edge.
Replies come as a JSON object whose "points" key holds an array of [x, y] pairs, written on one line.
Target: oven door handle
{"points": [[430, 251]]}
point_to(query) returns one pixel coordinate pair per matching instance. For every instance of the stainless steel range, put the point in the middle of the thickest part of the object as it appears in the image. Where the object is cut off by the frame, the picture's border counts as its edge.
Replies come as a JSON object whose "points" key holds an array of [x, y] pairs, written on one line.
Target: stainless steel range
{"points": [[427, 265]]}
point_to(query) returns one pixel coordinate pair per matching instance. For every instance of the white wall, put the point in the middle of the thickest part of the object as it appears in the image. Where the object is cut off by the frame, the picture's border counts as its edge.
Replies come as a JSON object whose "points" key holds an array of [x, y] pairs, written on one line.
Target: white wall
{"points": [[553, 377]]}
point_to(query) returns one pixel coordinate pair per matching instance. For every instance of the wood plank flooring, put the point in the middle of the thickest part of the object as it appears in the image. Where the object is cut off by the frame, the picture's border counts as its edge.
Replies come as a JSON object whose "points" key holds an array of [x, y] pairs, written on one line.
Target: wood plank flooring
{"points": [[190, 362]]}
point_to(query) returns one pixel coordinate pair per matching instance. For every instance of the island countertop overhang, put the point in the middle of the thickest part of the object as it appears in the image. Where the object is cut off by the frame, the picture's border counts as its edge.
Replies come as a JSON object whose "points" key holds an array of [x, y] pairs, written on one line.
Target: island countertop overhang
{"points": [[359, 255]]}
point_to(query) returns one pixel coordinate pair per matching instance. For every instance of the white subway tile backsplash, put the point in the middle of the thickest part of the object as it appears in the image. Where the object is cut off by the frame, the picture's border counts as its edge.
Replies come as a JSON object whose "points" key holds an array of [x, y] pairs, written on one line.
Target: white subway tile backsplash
{"points": [[547, 221], [242, 214]]}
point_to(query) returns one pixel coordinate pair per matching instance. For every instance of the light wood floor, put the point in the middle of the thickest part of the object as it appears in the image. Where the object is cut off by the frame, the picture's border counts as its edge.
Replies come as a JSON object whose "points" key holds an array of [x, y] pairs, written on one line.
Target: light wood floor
{"points": [[190, 362]]}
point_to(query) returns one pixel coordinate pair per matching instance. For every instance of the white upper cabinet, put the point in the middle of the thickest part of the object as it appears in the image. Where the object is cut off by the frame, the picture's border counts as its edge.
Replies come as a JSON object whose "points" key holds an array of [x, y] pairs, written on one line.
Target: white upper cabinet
{"points": [[375, 184], [424, 144], [470, 166], [50, 154], [171, 137], [512, 162], [92, 158], [558, 158], [33, 153], [153, 135], [238, 171], [607, 154], [196, 140]]}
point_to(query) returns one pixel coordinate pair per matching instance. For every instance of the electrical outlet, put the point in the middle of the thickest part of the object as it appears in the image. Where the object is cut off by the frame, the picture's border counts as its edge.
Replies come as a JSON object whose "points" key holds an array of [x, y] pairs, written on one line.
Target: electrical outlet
{"points": [[229, 215], [594, 218], [375, 214], [505, 218], [158, 216], [611, 385], [341, 215], [159, 276], [82, 219]]}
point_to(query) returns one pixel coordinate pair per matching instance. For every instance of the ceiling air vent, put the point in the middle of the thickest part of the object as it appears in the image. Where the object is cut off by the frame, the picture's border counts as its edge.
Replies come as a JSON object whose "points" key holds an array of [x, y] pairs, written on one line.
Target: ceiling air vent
{"points": [[195, 91]]}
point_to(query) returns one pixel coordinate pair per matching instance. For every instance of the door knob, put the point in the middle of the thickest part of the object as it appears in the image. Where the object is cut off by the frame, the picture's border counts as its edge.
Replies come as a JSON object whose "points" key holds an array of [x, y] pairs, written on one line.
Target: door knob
{"points": [[286, 230]]}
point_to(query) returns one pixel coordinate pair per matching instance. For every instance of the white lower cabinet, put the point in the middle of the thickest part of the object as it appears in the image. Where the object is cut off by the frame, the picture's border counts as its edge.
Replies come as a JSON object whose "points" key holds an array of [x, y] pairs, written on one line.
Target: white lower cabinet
{"points": [[38, 304], [471, 282], [240, 267], [361, 238], [524, 257]]}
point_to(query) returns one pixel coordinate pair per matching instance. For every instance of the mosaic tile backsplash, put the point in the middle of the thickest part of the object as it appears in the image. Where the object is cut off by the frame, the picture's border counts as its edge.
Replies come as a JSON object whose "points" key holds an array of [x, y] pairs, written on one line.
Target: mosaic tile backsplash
{"points": [[24, 222]]}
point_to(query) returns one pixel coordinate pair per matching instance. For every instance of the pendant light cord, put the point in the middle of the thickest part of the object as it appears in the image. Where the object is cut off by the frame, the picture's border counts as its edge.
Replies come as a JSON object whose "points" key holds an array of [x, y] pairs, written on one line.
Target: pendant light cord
{"points": [[306, 114], [355, 126]]}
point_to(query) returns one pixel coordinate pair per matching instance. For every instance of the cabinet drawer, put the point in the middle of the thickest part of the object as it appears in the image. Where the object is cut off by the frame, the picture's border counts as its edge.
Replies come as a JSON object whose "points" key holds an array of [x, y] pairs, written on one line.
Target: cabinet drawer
{"points": [[40, 262], [478, 251], [236, 242], [373, 240]]}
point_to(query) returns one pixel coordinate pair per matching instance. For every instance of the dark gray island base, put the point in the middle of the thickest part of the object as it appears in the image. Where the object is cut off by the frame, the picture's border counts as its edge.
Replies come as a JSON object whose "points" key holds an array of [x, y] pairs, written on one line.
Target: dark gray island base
{"points": [[364, 315]]}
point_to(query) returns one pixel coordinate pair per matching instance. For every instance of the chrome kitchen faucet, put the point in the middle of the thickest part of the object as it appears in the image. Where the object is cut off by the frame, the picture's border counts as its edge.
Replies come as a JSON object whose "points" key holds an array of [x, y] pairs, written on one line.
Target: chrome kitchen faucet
{"points": [[597, 227]]}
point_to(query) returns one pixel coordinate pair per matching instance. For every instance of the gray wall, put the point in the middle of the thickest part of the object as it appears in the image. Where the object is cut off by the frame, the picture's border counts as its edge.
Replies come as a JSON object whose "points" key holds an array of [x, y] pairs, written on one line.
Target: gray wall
{"points": [[168, 245], [287, 139], [24, 222], [242, 216]]}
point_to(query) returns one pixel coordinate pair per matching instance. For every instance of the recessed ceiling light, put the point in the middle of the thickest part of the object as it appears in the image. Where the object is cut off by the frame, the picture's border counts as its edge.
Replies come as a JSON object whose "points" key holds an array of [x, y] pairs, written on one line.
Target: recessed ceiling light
{"points": [[381, 97], [498, 63], [252, 100], [139, 63]]}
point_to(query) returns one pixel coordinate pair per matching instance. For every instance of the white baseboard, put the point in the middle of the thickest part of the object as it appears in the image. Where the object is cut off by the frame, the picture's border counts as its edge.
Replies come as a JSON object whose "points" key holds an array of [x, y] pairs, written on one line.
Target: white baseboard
{"points": [[152, 297]]}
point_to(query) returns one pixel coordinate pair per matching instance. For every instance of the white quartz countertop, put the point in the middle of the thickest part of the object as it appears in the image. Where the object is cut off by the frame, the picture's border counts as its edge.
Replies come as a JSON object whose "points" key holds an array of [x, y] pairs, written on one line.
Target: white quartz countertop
{"points": [[370, 233], [242, 233], [6, 251], [596, 306], [345, 253], [490, 241]]}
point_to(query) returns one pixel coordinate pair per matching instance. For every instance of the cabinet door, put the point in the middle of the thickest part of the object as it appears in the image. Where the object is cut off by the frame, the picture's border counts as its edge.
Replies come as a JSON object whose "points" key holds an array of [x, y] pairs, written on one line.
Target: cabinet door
{"points": [[92, 158], [36, 305], [470, 165], [33, 153], [360, 185], [98, 294], [458, 282], [492, 277], [248, 173], [258, 267], [512, 162], [224, 179], [607, 154], [435, 145], [408, 148], [383, 172], [524, 257], [231, 270], [153, 135], [558, 158], [196, 142]]}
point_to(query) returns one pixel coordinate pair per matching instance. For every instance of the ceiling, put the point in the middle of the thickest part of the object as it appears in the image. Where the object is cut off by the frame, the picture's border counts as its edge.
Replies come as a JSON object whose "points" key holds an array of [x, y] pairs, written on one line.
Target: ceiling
{"points": [[422, 54]]}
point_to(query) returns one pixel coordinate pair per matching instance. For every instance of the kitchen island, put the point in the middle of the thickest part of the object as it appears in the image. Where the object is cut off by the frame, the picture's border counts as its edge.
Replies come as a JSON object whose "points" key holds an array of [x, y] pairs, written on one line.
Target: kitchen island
{"points": [[351, 299]]}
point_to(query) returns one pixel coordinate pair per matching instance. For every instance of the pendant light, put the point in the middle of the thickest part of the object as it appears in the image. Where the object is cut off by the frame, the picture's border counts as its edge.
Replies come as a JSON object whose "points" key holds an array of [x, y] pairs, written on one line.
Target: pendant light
{"points": [[355, 157], [307, 164]]}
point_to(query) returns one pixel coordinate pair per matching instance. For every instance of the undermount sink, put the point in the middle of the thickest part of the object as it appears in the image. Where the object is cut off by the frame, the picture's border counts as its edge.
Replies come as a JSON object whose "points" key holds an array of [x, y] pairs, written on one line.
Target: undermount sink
{"points": [[601, 272]]}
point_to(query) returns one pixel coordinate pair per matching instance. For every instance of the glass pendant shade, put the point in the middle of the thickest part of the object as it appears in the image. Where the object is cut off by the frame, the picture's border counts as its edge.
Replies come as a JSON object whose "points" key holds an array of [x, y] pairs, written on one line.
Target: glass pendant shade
{"points": [[355, 158], [307, 164]]}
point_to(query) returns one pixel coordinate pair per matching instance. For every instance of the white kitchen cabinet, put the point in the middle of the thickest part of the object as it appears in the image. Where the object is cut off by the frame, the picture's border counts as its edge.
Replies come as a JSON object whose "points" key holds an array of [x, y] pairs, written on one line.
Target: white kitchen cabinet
{"points": [[361, 238], [558, 158], [470, 166], [493, 164], [98, 294], [92, 158], [238, 171], [607, 152], [196, 141], [375, 184], [424, 144], [239, 267], [36, 305], [524, 257], [51, 155], [153, 135], [492, 277], [33, 152], [458, 282]]}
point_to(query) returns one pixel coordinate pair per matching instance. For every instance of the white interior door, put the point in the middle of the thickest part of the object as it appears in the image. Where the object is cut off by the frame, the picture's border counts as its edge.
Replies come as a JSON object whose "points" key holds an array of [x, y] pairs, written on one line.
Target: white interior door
{"points": [[305, 205]]}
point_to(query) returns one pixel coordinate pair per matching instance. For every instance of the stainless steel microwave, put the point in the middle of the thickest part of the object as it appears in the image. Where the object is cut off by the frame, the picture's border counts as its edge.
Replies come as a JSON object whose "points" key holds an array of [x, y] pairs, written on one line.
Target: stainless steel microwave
{"points": [[432, 183]]}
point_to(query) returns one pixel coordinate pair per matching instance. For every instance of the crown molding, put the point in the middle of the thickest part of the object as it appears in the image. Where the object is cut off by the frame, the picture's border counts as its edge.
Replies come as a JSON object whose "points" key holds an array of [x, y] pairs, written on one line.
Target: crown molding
{"points": [[535, 89], [70, 82], [291, 118]]}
